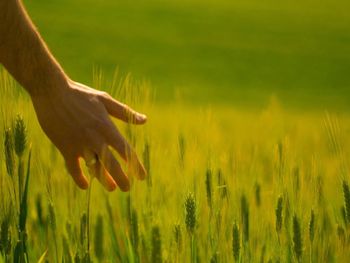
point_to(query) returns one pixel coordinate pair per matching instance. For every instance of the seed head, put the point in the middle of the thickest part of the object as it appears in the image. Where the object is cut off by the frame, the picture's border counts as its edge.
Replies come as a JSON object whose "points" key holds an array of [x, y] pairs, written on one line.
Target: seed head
{"points": [[278, 212], [20, 136], [190, 205]]}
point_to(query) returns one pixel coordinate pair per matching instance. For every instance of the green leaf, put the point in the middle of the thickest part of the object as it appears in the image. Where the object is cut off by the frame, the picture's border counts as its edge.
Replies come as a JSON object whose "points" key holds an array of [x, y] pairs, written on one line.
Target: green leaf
{"points": [[23, 206], [43, 256]]}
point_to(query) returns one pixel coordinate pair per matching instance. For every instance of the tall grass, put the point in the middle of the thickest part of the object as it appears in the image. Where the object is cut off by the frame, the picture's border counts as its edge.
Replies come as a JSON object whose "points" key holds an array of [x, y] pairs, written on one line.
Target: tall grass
{"points": [[280, 178]]}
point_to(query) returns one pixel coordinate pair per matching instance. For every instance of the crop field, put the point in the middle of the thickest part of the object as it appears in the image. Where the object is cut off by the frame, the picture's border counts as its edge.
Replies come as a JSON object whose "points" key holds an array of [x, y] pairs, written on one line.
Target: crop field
{"points": [[223, 186], [246, 143]]}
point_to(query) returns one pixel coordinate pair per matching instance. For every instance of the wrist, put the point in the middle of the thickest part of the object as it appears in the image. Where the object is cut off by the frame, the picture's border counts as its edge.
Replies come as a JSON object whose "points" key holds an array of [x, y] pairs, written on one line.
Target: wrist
{"points": [[50, 80]]}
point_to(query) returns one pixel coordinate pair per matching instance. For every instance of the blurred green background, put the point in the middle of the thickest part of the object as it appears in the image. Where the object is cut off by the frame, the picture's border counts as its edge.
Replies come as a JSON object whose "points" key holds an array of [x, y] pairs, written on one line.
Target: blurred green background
{"points": [[237, 53]]}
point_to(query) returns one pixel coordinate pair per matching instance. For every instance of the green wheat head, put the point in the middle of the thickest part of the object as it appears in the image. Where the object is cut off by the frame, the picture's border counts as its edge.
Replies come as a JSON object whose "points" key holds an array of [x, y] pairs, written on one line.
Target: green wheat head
{"points": [[278, 212], [190, 207], [20, 136], [297, 239]]}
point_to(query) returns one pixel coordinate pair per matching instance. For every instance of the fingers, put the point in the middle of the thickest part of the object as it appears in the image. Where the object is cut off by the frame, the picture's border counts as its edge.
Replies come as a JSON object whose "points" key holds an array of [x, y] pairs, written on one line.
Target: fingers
{"points": [[102, 176], [106, 169], [122, 111], [114, 169], [117, 141], [74, 169]]}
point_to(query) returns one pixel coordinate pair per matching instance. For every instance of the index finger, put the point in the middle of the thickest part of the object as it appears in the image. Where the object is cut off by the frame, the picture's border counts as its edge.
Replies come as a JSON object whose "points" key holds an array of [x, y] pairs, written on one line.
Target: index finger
{"points": [[122, 111]]}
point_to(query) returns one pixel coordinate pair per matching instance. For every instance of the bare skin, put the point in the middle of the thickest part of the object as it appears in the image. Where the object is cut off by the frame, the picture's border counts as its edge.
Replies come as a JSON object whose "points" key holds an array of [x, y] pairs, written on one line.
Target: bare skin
{"points": [[75, 117]]}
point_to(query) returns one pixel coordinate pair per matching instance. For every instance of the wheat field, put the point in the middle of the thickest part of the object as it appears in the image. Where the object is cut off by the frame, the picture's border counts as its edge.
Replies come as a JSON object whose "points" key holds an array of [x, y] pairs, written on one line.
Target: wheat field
{"points": [[224, 185]]}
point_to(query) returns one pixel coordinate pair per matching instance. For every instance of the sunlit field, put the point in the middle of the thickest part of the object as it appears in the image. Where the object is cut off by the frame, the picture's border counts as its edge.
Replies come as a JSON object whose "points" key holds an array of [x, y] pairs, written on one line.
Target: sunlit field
{"points": [[246, 144], [223, 186]]}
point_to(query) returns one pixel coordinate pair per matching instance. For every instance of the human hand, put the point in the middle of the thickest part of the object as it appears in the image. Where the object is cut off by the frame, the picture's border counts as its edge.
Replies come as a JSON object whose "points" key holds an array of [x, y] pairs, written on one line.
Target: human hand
{"points": [[76, 119], [73, 116]]}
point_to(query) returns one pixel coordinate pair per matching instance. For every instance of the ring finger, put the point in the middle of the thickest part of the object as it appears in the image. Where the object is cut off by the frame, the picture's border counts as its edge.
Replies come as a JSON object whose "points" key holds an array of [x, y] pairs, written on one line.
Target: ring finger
{"points": [[96, 169]]}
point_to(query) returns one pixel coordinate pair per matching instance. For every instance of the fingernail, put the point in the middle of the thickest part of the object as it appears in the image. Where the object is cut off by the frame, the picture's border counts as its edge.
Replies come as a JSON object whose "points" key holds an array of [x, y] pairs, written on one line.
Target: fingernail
{"points": [[142, 117]]}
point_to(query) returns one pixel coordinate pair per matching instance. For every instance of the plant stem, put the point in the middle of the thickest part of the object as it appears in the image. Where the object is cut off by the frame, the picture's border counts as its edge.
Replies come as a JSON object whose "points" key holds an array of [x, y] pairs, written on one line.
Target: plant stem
{"points": [[88, 215]]}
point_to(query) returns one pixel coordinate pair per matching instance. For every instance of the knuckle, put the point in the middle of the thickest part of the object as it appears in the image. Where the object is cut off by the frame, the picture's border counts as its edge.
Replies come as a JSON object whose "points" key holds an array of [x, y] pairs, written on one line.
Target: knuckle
{"points": [[104, 95]]}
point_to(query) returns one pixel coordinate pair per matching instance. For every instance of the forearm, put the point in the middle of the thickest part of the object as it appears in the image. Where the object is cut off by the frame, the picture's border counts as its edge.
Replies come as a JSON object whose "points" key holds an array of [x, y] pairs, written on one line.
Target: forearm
{"points": [[23, 52]]}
